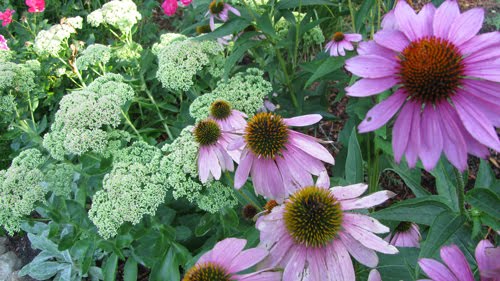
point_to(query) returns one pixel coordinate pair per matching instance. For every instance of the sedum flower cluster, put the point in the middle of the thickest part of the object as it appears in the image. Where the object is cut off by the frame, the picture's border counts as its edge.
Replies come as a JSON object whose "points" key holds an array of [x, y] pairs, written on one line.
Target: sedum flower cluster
{"points": [[180, 166], [310, 38], [165, 40], [134, 188], [121, 14], [18, 77], [93, 55], [59, 179], [84, 117], [20, 189], [245, 92], [49, 42], [180, 60]]}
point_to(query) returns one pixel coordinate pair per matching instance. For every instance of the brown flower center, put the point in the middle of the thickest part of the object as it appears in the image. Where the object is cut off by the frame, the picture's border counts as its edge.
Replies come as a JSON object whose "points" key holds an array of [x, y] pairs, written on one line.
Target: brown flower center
{"points": [[216, 7], [313, 216], [338, 36], [266, 134], [207, 132], [207, 272], [403, 226], [220, 109], [431, 69]]}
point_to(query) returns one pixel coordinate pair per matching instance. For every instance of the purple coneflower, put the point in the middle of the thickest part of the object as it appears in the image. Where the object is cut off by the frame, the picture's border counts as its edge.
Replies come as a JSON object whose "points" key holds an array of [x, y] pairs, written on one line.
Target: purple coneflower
{"points": [[313, 233], [446, 78], [3, 43], [220, 10], [278, 159], [374, 275], [456, 266], [406, 234], [228, 119], [213, 157], [341, 42], [226, 259]]}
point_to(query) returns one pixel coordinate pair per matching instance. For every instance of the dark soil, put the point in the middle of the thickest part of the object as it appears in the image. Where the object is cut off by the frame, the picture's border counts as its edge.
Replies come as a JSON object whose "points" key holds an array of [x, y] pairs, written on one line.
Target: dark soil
{"points": [[21, 246]]}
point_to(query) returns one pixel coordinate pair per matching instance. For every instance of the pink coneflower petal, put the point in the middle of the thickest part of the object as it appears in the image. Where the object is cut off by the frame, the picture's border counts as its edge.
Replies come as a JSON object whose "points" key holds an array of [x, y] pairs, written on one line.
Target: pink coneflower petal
{"points": [[414, 141], [436, 270], [247, 259], [297, 171], [334, 50], [243, 170], [392, 39], [368, 87], [432, 138], [426, 19], [371, 66], [401, 131], [480, 42], [485, 70], [389, 21], [371, 241], [380, 114], [407, 20], [341, 255], [310, 146], [489, 109], [203, 169], [372, 48], [365, 222], [349, 191], [311, 165], [466, 26], [456, 262], [454, 145], [304, 120], [487, 257], [362, 254], [233, 10], [447, 12], [476, 123], [353, 37], [367, 201], [374, 275]]}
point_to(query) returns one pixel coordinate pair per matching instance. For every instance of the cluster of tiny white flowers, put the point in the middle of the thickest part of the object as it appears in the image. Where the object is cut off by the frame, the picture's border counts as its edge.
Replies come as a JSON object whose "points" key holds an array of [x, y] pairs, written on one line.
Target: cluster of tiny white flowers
{"points": [[18, 77], [49, 42], [121, 14], [95, 54]]}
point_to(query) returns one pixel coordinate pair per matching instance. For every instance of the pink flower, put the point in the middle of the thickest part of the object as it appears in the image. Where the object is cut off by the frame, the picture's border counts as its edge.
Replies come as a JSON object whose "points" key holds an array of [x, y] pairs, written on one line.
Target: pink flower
{"points": [[35, 6], [226, 259], [6, 17], [446, 79], [220, 10], [169, 7], [278, 159], [230, 120], [3, 43], [374, 275], [213, 157], [457, 268], [314, 233], [406, 234], [341, 42], [186, 2]]}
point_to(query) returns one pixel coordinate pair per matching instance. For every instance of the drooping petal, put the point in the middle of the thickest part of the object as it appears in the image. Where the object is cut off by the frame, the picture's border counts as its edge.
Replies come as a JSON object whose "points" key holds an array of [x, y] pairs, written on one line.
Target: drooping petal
{"points": [[454, 145], [203, 169], [349, 191], [392, 39], [274, 181], [412, 150], [344, 261], [371, 200], [371, 240], [304, 120], [371, 66], [432, 138], [213, 163], [447, 12], [224, 251], [381, 113], [456, 262], [466, 25], [374, 275], [295, 270], [475, 122], [366, 87], [487, 257], [243, 169], [365, 222], [310, 146], [247, 259], [362, 254], [353, 37], [401, 131], [436, 270]]}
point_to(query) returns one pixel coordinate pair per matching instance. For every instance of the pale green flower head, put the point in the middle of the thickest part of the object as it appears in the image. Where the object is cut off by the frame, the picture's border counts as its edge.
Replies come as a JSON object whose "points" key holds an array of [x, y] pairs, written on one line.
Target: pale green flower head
{"points": [[18, 77], [180, 165], [165, 40], [128, 53], [310, 38], [20, 189], [49, 42], [93, 55], [245, 92], [7, 108], [135, 187], [121, 14], [181, 60], [86, 118], [6, 55], [59, 179]]}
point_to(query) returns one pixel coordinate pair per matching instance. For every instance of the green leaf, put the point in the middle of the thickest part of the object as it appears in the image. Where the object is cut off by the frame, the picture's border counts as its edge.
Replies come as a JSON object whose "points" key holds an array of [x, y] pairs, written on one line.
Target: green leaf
{"points": [[400, 266], [230, 27], [485, 200], [411, 177], [264, 23], [354, 162], [110, 268], [330, 65], [485, 177], [417, 210], [288, 4], [168, 266], [204, 226], [442, 229], [130, 270], [445, 185], [362, 14], [44, 270], [237, 54]]}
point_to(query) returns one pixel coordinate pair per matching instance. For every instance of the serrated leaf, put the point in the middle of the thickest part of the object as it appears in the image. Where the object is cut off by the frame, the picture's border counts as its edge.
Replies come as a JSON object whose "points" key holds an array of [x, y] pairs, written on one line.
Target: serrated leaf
{"points": [[417, 210], [354, 162], [485, 200]]}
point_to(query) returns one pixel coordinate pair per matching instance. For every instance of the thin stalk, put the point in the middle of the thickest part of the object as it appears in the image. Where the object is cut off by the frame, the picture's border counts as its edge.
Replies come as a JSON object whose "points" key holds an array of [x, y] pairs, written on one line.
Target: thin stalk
{"points": [[297, 31], [287, 78], [131, 124], [460, 191], [150, 96], [351, 11]]}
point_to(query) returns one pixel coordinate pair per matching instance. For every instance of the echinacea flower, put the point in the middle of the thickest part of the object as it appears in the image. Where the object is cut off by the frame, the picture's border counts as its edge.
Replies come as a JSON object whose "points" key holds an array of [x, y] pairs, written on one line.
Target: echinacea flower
{"points": [[169, 7], [406, 234], [226, 260], [3, 43], [217, 9], [228, 119], [374, 275], [446, 79], [213, 157], [35, 6], [456, 267], [341, 42], [278, 159], [6, 17], [313, 234]]}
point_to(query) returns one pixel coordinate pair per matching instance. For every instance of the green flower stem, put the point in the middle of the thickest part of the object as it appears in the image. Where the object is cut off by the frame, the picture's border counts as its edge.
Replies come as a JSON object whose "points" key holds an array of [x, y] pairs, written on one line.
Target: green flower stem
{"points": [[297, 31], [150, 96], [287, 77], [460, 191], [131, 124]]}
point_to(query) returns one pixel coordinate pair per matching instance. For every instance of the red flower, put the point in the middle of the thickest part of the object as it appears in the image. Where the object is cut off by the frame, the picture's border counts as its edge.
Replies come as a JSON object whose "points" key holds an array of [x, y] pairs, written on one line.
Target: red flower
{"points": [[6, 17], [35, 6], [169, 7]]}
